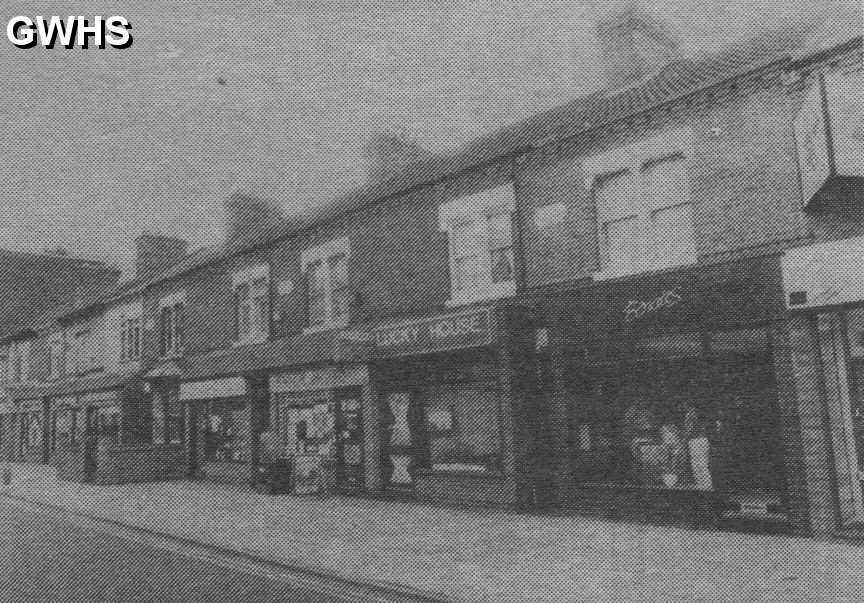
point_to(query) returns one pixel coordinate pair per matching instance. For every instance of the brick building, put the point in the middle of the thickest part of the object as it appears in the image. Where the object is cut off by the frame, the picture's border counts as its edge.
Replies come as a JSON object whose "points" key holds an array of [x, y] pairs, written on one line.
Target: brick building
{"points": [[640, 304]]}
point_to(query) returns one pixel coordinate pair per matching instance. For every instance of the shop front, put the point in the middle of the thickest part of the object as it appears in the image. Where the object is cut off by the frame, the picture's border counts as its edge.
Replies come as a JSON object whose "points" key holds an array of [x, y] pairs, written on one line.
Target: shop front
{"points": [[317, 427], [445, 408], [667, 386], [84, 428], [824, 287], [220, 428]]}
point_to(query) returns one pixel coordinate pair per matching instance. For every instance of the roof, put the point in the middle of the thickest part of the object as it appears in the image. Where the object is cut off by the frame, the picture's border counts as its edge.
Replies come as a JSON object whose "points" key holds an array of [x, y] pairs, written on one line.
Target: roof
{"points": [[678, 79]]}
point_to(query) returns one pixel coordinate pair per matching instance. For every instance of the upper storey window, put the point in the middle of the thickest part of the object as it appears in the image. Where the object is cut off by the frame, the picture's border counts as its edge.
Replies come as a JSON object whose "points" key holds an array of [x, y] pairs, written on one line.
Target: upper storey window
{"points": [[644, 212], [171, 319], [479, 229], [328, 287], [252, 305]]}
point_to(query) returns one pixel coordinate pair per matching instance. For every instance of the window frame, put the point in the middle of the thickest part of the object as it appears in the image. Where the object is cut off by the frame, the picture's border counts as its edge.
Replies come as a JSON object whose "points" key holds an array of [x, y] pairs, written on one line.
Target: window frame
{"points": [[477, 210], [56, 358], [171, 307], [636, 160], [258, 329], [324, 257]]}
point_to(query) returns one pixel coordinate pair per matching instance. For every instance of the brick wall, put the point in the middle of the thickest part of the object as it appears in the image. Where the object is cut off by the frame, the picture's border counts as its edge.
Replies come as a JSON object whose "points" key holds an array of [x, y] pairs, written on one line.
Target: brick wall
{"points": [[126, 465]]}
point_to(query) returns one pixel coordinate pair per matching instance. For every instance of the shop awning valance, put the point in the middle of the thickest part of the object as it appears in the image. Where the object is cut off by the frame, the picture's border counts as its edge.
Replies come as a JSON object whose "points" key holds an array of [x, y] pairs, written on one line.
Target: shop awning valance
{"points": [[80, 385], [311, 348]]}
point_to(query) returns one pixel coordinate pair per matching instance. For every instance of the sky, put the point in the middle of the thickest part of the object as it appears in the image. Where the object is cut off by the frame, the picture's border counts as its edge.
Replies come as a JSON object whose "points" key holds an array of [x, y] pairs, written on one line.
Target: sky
{"points": [[277, 97]]}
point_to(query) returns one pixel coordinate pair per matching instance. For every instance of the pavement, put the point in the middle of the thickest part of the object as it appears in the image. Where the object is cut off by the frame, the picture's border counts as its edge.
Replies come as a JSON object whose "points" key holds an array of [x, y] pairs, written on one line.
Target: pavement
{"points": [[469, 555]]}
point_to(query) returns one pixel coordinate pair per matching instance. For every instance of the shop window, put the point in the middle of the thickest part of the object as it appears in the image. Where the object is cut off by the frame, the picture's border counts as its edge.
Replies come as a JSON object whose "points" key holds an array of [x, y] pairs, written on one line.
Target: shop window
{"points": [[64, 428], [480, 235], [32, 430], [171, 324], [228, 432], [687, 424], [109, 426], [305, 428], [252, 305], [462, 428], [644, 213], [328, 284], [4, 366]]}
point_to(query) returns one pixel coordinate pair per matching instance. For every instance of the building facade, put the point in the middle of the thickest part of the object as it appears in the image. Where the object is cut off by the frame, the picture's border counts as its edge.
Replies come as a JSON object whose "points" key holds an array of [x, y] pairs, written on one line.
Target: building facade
{"points": [[642, 304]]}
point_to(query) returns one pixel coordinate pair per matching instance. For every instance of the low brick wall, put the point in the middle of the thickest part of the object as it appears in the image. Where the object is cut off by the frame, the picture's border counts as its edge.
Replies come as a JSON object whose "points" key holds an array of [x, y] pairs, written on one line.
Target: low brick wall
{"points": [[128, 464], [466, 489]]}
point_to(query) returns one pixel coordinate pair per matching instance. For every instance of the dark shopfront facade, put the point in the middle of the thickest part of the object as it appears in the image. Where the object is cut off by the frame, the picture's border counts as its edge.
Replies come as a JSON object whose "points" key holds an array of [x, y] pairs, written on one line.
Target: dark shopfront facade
{"points": [[664, 397], [446, 402]]}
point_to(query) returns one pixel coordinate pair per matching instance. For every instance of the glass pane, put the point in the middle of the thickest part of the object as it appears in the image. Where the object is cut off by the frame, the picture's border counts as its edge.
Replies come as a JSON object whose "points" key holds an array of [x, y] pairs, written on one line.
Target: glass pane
{"points": [[622, 246], [317, 278], [672, 240], [339, 271], [615, 197], [466, 239], [500, 232], [471, 440], [317, 309], [341, 304], [501, 261], [467, 273], [664, 183]]}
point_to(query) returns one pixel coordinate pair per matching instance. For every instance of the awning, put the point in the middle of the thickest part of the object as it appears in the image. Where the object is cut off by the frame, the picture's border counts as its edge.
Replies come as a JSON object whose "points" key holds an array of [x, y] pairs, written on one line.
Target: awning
{"points": [[312, 348], [79, 385]]}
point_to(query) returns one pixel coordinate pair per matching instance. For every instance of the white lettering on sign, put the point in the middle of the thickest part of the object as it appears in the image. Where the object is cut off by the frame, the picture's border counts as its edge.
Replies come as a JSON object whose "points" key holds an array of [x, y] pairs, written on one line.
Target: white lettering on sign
{"points": [[397, 336], [636, 309], [454, 327]]}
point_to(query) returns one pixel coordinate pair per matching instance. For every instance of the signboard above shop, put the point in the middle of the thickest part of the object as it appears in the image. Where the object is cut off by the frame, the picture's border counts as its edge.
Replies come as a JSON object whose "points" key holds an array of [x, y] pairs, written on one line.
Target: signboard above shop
{"points": [[448, 332], [830, 135], [826, 274]]}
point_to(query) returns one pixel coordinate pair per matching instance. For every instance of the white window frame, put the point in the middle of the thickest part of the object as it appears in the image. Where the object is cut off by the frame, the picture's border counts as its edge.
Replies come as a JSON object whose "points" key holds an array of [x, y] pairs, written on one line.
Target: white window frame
{"points": [[257, 333], [171, 302], [478, 208], [130, 320], [323, 254], [635, 159], [19, 352], [82, 342]]}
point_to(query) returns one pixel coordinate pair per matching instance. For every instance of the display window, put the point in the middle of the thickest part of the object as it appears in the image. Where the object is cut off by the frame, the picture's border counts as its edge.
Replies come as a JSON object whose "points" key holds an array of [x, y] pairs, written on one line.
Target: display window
{"points": [[31, 428], [227, 431], [304, 426], [109, 426], [64, 427], [461, 422], [855, 338], [701, 422]]}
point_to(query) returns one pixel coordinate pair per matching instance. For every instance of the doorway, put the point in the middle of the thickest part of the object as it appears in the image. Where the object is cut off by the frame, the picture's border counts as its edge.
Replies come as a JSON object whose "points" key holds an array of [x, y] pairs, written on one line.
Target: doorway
{"points": [[349, 440]]}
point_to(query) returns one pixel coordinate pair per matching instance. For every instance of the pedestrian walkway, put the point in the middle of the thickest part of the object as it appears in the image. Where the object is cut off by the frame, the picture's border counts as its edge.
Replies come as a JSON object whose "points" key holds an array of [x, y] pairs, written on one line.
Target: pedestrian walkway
{"points": [[469, 555]]}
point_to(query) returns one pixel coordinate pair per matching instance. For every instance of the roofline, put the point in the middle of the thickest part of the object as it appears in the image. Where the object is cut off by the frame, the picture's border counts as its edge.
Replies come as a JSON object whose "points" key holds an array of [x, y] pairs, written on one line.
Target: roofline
{"points": [[820, 55], [66, 258]]}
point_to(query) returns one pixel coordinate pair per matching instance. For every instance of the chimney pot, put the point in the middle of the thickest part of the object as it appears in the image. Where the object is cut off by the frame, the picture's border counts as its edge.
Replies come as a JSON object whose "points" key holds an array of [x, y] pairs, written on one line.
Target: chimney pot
{"points": [[155, 253]]}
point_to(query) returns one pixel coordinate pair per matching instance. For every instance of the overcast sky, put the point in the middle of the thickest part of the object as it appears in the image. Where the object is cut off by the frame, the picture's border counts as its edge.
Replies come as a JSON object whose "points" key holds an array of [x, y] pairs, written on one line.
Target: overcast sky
{"points": [[276, 97]]}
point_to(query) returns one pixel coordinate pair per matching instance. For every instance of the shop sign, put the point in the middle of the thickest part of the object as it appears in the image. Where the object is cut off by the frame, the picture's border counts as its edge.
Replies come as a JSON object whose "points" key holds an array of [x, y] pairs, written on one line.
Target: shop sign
{"points": [[826, 274], [229, 387], [466, 329], [329, 377], [636, 308]]}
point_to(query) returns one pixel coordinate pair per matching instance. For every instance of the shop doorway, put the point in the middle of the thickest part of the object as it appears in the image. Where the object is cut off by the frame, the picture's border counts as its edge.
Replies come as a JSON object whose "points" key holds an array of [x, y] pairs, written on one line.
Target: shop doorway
{"points": [[349, 440]]}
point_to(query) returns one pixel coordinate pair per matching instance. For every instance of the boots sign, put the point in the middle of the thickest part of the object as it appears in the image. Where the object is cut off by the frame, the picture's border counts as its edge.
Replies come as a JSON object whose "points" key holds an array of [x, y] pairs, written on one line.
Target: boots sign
{"points": [[636, 308], [468, 329]]}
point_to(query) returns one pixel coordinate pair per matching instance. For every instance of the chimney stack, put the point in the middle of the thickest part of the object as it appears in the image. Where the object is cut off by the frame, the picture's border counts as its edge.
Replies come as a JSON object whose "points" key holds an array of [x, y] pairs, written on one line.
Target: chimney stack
{"points": [[155, 253], [633, 44], [388, 152], [246, 215]]}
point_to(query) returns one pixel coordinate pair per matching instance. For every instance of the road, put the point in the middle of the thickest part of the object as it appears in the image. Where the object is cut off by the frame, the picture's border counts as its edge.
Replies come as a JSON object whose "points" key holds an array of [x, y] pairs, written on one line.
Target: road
{"points": [[46, 557]]}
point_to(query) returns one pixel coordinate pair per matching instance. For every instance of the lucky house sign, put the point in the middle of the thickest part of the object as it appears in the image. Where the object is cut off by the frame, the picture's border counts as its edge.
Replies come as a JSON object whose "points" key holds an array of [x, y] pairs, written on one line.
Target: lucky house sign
{"points": [[468, 329]]}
